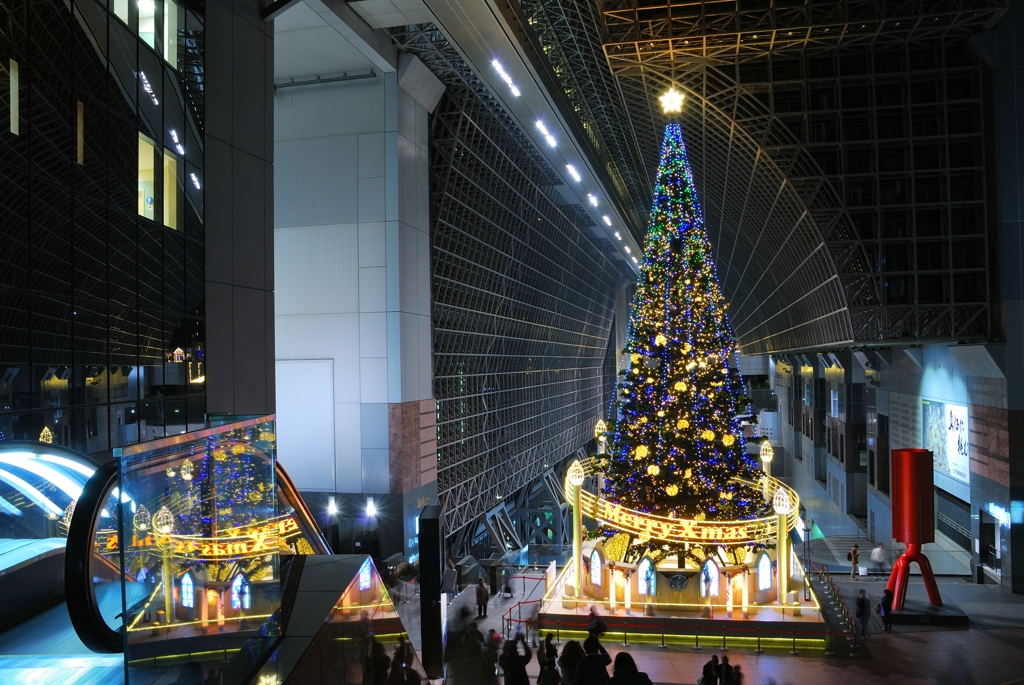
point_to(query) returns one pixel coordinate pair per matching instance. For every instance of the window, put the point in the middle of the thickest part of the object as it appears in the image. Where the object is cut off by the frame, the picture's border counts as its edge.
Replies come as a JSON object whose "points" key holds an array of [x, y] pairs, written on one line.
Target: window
{"points": [[172, 19], [188, 591], [365, 578], [240, 596], [764, 573], [121, 10], [709, 576], [835, 403], [15, 84], [595, 568], [646, 583], [147, 178], [173, 192], [147, 22]]}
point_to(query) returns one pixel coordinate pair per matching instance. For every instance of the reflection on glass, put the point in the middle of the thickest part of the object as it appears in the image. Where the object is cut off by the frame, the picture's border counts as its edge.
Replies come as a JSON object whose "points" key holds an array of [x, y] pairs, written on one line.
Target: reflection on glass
{"points": [[172, 191], [147, 178], [147, 22], [203, 548]]}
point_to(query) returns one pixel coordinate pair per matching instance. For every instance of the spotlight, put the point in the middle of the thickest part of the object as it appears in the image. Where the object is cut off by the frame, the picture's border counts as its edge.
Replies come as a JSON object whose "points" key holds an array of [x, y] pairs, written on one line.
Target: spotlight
{"points": [[371, 508], [332, 506], [572, 172], [607, 220], [592, 198]]}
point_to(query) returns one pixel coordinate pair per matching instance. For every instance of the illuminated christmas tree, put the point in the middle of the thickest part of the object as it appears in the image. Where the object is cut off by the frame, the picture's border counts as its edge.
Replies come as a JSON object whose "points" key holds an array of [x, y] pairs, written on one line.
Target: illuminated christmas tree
{"points": [[677, 449]]}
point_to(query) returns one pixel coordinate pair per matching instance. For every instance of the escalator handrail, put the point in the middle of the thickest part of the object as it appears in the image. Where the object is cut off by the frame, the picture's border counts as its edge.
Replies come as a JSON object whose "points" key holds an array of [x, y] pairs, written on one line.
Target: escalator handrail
{"points": [[80, 594]]}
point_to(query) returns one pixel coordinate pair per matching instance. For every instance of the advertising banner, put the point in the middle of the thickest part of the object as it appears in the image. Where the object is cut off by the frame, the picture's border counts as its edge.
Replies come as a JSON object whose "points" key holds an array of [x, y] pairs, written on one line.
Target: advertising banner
{"points": [[944, 432]]}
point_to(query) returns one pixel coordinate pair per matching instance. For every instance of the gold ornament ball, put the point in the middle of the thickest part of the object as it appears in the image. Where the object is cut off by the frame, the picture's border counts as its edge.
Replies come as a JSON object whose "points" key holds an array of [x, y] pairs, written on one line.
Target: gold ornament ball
{"points": [[642, 451], [654, 469], [728, 440], [680, 386], [708, 435], [672, 490], [683, 423], [660, 339], [688, 473]]}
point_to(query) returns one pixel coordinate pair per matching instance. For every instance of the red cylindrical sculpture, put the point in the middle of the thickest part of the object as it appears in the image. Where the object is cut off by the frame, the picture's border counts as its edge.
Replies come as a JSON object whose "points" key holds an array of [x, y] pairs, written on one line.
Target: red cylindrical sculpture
{"points": [[913, 520], [913, 496]]}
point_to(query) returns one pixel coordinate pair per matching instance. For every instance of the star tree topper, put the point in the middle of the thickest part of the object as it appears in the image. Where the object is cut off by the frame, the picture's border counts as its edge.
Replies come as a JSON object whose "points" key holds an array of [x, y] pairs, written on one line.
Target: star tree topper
{"points": [[672, 101]]}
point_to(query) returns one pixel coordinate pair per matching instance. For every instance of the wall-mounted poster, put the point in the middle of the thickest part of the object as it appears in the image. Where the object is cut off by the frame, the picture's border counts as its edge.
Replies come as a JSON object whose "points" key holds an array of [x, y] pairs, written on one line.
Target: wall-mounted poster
{"points": [[944, 432]]}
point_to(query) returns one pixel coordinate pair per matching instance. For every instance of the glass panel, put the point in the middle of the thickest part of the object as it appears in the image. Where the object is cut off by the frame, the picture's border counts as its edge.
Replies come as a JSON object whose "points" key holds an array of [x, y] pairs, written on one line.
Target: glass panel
{"points": [[147, 178], [15, 89], [173, 194]]}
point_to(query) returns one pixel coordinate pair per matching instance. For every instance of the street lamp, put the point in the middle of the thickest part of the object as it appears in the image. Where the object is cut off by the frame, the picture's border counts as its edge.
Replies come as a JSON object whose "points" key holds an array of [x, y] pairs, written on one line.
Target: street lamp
{"points": [[163, 523]]}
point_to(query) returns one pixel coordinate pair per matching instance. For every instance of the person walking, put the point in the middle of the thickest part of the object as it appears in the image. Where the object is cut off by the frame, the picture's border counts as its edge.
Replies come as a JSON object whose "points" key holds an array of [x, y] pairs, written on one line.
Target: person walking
{"points": [[863, 613], [709, 676], [886, 610], [483, 594], [726, 672], [626, 673], [549, 674], [513, 663], [593, 669], [853, 556], [878, 558]]}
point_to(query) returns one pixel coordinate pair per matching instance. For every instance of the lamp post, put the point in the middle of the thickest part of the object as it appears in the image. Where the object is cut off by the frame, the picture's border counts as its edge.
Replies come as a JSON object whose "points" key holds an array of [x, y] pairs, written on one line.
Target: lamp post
{"points": [[767, 454], [783, 506], [600, 430], [163, 523], [576, 476]]}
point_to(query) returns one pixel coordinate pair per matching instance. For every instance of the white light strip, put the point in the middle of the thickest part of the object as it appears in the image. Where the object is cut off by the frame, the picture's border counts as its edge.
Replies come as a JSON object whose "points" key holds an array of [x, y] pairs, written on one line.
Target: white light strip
{"points": [[547, 135], [67, 463], [634, 261], [505, 77], [607, 220], [618, 236], [592, 198], [572, 172], [32, 465], [627, 249], [30, 492]]}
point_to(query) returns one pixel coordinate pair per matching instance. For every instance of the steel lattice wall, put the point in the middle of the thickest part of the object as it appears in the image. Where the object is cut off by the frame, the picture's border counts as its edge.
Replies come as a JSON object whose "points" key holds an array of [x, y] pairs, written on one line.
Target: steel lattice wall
{"points": [[523, 299], [839, 150]]}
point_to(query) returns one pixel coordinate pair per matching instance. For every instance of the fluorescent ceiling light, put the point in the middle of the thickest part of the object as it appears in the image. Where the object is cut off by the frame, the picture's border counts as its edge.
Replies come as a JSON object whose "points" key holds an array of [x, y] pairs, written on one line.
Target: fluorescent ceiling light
{"points": [[619, 237], [547, 134], [634, 261], [592, 198], [505, 77], [572, 172], [627, 249], [607, 220]]}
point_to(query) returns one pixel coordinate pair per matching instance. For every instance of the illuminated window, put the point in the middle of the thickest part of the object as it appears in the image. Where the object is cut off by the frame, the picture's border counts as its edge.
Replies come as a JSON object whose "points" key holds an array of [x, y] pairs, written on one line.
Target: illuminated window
{"points": [[646, 582], [188, 594], [147, 22], [764, 573], [121, 9], [173, 191], [147, 178], [365, 578], [172, 19], [240, 596], [710, 578], [15, 92], [595, 568]]}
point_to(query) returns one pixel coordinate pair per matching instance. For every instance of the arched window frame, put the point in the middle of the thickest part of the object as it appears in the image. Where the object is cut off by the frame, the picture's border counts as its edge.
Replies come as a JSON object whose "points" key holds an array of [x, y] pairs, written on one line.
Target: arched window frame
{"points": [[188, 591], [709, 581], [241, 598], [596, 564], [645, 575], [764, 572]]}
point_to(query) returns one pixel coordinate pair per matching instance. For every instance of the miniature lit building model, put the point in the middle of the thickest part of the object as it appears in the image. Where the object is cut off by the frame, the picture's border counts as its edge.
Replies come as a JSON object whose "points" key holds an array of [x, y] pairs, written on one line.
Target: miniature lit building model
{"points": [[913, 516]]}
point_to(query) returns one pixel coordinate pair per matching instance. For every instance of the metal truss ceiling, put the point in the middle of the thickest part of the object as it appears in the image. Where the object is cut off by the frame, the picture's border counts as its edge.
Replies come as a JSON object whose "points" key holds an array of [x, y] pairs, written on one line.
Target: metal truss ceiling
{"points": [[838, 149], [523, 299]]}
